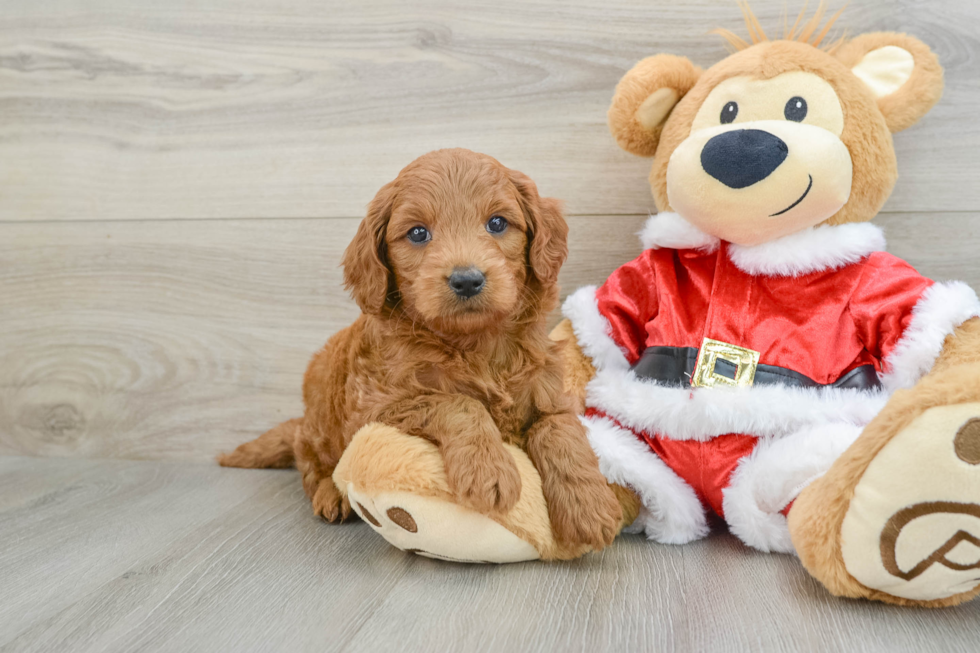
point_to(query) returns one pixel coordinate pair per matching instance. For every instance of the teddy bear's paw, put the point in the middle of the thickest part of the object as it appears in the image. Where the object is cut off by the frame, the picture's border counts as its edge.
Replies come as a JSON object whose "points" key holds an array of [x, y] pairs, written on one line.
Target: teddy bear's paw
{"points": [[912, 528], [438, 528]]}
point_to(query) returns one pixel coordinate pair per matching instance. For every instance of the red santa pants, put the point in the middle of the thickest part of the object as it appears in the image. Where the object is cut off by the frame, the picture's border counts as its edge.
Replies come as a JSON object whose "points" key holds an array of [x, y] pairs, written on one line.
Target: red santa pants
{"points": [[705, 465]]}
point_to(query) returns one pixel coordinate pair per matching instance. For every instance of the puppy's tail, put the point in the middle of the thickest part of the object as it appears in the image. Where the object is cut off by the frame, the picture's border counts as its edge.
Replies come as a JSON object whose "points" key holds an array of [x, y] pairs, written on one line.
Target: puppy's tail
{"points": [[274, 448]]}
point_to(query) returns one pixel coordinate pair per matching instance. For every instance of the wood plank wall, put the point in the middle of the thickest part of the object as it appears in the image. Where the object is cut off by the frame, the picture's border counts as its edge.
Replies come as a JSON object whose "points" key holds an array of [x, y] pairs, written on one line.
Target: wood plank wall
{"points": [[179, 179]]}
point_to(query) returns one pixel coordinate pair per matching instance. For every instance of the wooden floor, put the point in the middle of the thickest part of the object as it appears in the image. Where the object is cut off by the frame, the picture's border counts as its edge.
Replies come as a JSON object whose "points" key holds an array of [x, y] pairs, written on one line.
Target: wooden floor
{"points": [[177, 182], [160, 556]]}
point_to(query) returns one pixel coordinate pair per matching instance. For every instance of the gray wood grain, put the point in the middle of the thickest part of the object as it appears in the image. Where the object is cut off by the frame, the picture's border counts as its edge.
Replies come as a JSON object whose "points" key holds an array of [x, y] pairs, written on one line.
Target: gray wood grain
{"points": [[178, 339], [303, 108], [158, 556]]}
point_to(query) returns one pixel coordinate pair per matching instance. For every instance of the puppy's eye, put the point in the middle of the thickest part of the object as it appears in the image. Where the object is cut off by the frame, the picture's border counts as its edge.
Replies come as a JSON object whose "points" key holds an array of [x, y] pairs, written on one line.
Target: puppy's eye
{"points": [[496, 225], [728, 113], [795, 109], [419, 235]]}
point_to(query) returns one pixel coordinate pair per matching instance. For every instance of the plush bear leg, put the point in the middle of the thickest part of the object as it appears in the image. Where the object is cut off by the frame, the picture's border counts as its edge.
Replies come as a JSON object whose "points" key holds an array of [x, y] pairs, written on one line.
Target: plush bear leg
{"points": [[897, 517], [397, 484], [767, 481]]}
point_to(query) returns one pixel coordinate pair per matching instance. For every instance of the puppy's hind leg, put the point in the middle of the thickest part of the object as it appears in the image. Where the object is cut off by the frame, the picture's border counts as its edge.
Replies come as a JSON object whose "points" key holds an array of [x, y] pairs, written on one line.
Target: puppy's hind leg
{"points": [[274, 448], [316, 469]]}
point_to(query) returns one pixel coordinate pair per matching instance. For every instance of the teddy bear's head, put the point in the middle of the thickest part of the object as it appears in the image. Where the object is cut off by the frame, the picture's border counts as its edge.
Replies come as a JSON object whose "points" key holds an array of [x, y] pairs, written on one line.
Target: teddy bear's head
{"points": [[781, 135]]}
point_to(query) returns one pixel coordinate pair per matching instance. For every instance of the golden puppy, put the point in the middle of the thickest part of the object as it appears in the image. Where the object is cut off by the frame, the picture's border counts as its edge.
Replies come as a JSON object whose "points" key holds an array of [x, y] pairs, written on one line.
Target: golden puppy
{"points": [[455, 268]]}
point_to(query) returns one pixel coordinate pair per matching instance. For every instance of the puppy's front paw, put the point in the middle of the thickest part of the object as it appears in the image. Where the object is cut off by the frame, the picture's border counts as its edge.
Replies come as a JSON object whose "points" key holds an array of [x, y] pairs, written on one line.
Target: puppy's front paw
{"points": [[585, 513], [329, 504], [488, 484]]}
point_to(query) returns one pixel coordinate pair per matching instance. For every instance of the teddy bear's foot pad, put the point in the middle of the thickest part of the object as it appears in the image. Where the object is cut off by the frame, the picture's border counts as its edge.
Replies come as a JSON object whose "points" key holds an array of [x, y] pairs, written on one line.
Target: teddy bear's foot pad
{"points": [[440, 529], [912, 529]]}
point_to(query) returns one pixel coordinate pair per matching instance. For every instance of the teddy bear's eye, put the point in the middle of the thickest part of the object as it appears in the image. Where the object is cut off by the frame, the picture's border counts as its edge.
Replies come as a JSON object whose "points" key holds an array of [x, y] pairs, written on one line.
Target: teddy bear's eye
{"points": [[728, 113], [795, 109]]}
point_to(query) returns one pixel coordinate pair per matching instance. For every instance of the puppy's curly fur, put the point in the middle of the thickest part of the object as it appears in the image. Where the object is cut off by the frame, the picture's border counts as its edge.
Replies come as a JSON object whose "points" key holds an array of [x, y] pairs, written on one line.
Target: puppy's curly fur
{"points": [[467, 374]]}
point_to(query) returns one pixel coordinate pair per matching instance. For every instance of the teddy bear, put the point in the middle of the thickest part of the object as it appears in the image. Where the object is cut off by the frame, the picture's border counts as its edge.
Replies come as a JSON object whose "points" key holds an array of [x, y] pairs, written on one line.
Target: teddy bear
{"points": [[763, 359]]}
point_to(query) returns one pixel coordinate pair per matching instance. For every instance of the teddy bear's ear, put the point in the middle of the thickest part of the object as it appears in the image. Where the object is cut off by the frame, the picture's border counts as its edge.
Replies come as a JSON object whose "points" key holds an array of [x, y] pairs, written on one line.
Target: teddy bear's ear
{"points": [[901, 71], [644, 98]]}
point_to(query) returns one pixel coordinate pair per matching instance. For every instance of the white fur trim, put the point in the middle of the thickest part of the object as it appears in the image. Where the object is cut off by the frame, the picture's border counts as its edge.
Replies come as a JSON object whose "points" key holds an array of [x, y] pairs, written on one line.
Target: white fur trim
{"points": [[592, 330], [810, 250], [703, 413], [941, 309], [671, 231], [774, 474], [672, 512]]}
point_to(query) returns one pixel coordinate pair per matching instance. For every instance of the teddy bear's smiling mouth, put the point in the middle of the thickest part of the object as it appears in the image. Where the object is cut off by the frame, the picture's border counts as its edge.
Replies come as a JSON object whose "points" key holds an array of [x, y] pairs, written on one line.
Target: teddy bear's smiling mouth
{"points": [[805, 193]]}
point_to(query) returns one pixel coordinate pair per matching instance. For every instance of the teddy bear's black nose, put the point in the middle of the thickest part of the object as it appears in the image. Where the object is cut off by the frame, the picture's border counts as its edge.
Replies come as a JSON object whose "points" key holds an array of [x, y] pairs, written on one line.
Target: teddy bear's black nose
{"points": [[743, 157]]}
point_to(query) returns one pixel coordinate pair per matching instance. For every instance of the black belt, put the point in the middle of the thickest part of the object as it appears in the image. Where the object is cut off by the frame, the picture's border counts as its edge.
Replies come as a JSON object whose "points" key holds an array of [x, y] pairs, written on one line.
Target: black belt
{"points": [[674, 366]]}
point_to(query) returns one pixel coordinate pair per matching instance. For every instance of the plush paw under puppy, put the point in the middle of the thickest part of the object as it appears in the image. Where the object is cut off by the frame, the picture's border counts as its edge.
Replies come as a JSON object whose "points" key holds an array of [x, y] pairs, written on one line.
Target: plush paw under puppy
{"points": [[397, 483]]}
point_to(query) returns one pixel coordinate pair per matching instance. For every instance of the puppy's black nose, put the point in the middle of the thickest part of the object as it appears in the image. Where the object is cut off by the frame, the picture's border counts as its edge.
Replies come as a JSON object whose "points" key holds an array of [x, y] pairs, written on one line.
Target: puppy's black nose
{"points": [[467, 282], [743, 157]]}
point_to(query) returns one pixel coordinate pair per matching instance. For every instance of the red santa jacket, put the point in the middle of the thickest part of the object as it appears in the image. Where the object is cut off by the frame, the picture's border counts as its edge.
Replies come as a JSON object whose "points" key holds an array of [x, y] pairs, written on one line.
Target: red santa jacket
{"points": [[820, 302]]}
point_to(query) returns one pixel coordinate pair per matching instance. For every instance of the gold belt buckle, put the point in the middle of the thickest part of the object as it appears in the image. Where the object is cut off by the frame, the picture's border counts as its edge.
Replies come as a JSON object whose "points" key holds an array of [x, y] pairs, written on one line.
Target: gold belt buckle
{"points": [[745, 361]]}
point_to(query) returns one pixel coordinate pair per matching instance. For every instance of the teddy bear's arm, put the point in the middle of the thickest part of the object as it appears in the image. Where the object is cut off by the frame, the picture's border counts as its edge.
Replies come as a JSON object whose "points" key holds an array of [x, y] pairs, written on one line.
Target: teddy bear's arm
{"points": [[913, 325], [962, 346]]}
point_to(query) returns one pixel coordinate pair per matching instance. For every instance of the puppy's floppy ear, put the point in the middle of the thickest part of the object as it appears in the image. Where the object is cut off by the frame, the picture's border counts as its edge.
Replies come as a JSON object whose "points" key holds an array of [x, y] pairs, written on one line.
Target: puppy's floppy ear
{"points": [[901, 71], [547, 230], [366, 272], [644, 99]]}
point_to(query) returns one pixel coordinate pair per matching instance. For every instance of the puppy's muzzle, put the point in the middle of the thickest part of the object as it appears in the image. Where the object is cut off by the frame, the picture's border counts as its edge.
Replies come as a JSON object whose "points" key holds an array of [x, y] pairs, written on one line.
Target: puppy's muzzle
{"points": [[467, 282]]}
